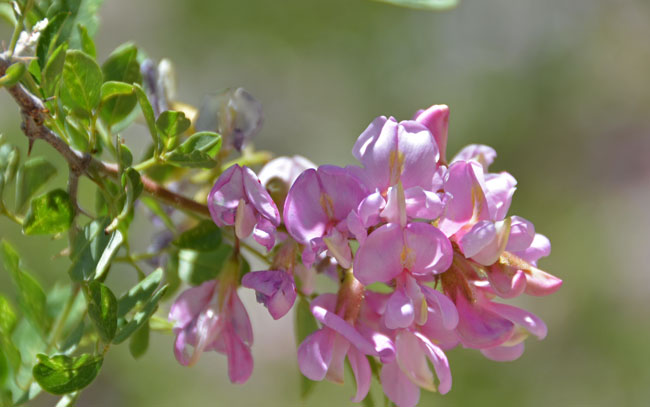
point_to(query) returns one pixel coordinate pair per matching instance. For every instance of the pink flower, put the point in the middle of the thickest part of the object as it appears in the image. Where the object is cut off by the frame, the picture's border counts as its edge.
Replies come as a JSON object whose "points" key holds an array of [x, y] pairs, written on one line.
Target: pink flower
{"points": [[316, 208], [239, 199], [436, 119], [392, 151], [322, 354], [207, 318], [274, 288]]}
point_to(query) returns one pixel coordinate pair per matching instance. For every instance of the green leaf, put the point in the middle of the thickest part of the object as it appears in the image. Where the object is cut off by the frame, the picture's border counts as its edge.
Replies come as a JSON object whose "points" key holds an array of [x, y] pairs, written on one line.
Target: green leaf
{"points": [[102, 309], [62, 374], [197, 151], [87, 44], [92, 250], [423, 4], [122, 65], [82, 12], [9, 160], [78, 135], [149, 117], [139, 341], [49, 214], [31, 298], [7, 14], [13, 74], [126, 157], [53, 70], [172, 124], [32, 175], [140, 318], [73, 339], [132, 183], [48, 39], [8, 317], [113, 89], [82, 81], [139, 293], [195, 267], [205, 236], [11, 354], [305, 325]]}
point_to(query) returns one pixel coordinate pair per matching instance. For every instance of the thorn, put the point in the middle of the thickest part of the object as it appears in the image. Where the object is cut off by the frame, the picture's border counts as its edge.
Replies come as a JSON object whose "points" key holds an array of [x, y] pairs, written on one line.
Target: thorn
{"points": [[29, 148]]}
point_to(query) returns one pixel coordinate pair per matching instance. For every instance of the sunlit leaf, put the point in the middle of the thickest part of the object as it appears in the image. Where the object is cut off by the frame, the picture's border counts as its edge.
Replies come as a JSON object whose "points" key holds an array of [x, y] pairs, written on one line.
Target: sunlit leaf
{"points": [[62, 374], [423, 4], [102, 309], [32, 175], [82, 81], [49, 214]]}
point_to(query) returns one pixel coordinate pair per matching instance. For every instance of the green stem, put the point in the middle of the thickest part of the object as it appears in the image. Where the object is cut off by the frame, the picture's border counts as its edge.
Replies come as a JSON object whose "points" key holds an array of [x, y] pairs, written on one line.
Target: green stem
{"points": [[11, 216], [146, 164]]}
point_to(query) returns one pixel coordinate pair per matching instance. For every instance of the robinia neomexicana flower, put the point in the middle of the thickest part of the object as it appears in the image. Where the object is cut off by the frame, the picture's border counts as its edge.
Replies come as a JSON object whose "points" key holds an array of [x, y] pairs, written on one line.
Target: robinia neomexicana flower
{"points": [[432, 233]]}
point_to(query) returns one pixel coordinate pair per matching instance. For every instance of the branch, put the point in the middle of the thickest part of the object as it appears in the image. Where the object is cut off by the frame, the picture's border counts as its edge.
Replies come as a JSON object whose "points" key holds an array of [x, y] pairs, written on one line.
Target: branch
{"points": [[33, 112]]}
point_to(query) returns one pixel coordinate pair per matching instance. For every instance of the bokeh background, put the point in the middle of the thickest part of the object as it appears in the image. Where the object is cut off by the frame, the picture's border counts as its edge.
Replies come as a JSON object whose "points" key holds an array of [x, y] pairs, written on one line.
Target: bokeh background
{"points": [[560, 89]]}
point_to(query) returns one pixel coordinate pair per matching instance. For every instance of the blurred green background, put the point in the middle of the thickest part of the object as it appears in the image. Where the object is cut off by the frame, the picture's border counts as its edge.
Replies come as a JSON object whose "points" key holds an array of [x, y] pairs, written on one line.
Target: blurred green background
{"points": [[560, 89]]}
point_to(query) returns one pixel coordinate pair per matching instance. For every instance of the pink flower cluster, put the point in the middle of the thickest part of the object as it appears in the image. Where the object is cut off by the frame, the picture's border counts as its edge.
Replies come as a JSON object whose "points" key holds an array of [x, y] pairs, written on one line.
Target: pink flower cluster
{"points": [[422, 246]]}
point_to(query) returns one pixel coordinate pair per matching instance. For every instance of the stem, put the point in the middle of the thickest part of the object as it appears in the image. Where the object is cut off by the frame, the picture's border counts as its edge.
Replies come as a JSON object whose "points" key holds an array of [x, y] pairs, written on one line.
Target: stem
{"points": [[33, 112], [148, 163], [60, 323], [19, 28], [10, 215]]}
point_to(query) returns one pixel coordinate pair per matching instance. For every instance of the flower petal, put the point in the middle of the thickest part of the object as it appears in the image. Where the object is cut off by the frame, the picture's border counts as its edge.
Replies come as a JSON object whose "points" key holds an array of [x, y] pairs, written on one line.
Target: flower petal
{"points": [[418, 154], [436, 119], [336, 323], [540, 247], [303, 214], [443, 305], [477, 238], [480, 153], [245, 220], [362, 373], [439, 361], [479, 327], [522, 234], [378, 259], [397, 386], [528, 320], [499, 190], [191, 302], [240, 360], [433, 251], [315, 354], [410, 357], [225, 195], [504, 353], [399, 310]]}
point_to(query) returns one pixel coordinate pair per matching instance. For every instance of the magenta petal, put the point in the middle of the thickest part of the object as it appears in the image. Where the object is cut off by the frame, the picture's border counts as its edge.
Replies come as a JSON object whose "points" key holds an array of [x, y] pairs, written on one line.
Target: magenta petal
{"points": [[500, 188], [423, 204], [410, 357], [540, 283], [370, 208], [444, 305], [276, 290], [180, 348], [522, 233], [259, 197], [378, 259], [303, 213], [439, 361], [342, 191], [420, 154], [315, 354], [485, 155], [336, 372], [540, 247], [479, 327], [264, 233], [504, 353], [285, 168], [465, 184], [432, 249], [225, 196], [239, 319], [240, 360], [504, 285], [355, 226], [373, 149], [436, 119], [338, 247], [336, 323], [190, 303], [362, 373], [528, 320], [399, 310], [477, 238], [397, 386]]}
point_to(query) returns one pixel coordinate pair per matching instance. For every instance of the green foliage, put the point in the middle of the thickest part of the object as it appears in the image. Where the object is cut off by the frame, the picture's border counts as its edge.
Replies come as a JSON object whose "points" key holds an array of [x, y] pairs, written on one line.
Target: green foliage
{"points": [[139, 341], [53, 70], [92, 250], [171, 125], [82, 81], [13, 74], [49, 39], [423, 4], [197, 151], [87, 44], [140, 293], [80, 12], [196, 267], [121, 66], [102, 309], [9, 160], [149, 117], [49, 214], [205, 236], [140, 318], [32, 175], [31, 297], [62, 374]]}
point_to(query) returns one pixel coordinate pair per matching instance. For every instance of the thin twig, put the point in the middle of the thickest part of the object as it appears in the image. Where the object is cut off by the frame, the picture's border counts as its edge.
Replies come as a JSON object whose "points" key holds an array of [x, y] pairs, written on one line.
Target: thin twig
{"points": [[33, 112]]}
